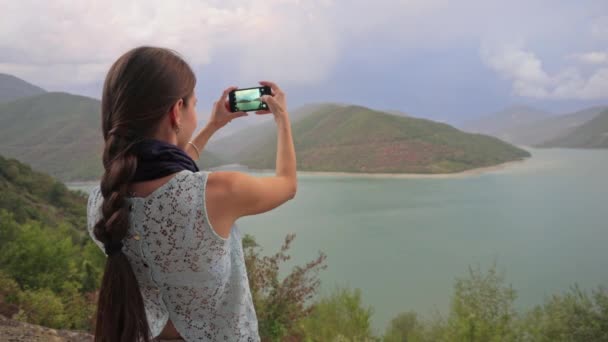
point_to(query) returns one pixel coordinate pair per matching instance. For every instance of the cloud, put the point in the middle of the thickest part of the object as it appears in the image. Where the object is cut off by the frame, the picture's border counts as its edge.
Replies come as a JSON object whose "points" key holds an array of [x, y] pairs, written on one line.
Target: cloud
{"points": [[522, 67], [57, 43], [529, 79], [595, 57]]}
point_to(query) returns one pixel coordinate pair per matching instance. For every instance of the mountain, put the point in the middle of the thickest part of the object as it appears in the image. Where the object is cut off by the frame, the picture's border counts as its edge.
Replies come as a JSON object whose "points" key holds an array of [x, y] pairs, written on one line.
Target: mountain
{"points": [[538, 132], [229, 145], [57, 133], [501, 123], [591, 134], [60, 134], [12, 88], [247, 123], [396, 112], [530, 127], [359, 139]]}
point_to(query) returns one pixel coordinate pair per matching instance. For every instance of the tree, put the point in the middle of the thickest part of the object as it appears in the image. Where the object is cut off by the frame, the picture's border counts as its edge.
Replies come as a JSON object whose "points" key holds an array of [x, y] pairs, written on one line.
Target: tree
{"points": [[280, 304], [482, 308]]}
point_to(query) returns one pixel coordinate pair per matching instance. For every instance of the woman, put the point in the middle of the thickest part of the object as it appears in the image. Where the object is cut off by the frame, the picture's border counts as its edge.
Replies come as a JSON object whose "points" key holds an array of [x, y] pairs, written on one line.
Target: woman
{"points": [[175, 267]]}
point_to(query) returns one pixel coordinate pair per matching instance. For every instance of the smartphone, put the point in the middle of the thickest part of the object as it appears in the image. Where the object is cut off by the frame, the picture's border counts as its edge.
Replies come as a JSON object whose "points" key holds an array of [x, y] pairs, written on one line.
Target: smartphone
{"points": [[248, 99]]}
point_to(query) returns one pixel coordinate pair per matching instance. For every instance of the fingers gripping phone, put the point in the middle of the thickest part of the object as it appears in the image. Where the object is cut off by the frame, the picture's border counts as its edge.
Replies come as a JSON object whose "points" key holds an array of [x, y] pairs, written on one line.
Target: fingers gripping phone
{"points": [[248, 99]]}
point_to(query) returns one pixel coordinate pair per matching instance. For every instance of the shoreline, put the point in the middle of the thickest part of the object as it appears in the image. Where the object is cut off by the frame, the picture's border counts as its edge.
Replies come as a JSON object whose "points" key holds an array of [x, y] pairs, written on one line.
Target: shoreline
{"points": [[460, 174]]}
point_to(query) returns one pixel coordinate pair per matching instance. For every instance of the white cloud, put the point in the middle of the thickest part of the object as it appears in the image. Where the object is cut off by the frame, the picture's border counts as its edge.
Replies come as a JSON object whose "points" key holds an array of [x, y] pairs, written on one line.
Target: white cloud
{"points": [[59, 44], [595, 57], [529, 79], [55, 43], [522, 67]]}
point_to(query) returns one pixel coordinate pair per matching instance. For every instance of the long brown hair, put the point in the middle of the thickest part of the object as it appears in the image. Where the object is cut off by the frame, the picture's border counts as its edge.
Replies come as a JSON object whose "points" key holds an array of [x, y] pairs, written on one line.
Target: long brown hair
{"points": [[139, 90]]}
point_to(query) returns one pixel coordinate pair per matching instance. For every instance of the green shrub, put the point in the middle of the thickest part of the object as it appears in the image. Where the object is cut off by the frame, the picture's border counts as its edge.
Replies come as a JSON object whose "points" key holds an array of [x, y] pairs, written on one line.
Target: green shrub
{"points": [[572, 316], [339, 316], [41, 257], [43, 307]]}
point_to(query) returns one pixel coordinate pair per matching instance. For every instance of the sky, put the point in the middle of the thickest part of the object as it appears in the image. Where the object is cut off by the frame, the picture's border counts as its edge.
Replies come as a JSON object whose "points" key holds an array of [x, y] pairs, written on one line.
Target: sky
{"points": [[445, 60]]}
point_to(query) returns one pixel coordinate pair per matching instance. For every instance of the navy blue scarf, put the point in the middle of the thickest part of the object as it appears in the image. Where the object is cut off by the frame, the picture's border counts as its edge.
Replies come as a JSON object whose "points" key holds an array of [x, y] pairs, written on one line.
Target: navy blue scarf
{"points": [[157, 158]]}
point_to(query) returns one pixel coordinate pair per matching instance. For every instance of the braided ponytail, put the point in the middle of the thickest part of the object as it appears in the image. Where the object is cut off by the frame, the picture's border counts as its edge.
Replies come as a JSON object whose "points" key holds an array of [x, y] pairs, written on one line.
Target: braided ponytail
{"points": [[139, 90], [116, 318]]}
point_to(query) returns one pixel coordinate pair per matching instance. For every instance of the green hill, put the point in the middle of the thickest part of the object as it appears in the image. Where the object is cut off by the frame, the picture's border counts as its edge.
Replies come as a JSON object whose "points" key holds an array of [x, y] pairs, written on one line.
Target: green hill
{"points": [[60, 134], [359, 139], [229, 146], [34, 195], [57, 133], [49, 265], [591, 134], [12, 88]]}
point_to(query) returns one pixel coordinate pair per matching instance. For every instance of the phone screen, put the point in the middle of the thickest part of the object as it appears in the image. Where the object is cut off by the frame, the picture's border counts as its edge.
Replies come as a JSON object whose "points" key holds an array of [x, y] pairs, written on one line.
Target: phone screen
{"points": [[249, 99]]}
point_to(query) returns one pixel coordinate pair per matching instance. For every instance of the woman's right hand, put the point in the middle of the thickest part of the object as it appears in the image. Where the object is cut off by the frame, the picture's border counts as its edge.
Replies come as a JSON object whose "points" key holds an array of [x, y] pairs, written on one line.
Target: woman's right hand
{"points": [[220, 114], [276, 102]]}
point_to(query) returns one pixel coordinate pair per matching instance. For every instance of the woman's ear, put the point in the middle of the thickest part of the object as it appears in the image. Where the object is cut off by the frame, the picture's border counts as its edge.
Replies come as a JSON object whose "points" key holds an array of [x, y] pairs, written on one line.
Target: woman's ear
{"points": [[175, 112]]}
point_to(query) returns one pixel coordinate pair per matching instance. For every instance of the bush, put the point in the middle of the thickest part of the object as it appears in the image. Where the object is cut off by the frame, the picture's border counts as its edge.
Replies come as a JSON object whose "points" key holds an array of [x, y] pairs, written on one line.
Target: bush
{"points": [[43, 307], [78, 311], [404, 327], [54, 273], [339, 317], [573, 316], [9, 295], [40, 257]]}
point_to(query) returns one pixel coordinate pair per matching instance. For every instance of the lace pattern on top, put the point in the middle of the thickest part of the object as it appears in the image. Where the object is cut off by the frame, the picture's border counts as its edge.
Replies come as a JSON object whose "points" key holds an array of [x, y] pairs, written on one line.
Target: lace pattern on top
{"points": [[186, 271]]}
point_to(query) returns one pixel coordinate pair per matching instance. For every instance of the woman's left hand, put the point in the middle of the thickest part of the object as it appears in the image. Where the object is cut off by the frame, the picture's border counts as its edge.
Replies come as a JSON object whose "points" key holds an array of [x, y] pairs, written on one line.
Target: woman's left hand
{"points": [[221, 114]]}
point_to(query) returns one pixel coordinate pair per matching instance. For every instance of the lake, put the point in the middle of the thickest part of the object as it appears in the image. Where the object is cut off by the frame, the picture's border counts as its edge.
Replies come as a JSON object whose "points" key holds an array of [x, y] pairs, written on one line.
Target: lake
{"points": [[403, 241]]}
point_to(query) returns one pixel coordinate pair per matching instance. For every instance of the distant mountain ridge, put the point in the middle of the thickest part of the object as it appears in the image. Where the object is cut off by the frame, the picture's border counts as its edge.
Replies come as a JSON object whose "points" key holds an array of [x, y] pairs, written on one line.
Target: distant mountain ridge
{"points": [[591, 134], [60, 134], [56, 133], [536, 129], [396, 112], [538, 132], [498, 123], [12, 88]]}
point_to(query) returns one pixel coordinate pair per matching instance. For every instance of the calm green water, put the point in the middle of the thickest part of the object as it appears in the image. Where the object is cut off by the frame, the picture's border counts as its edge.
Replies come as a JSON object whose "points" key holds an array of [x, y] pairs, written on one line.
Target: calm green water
{"points": [[403, 241]]}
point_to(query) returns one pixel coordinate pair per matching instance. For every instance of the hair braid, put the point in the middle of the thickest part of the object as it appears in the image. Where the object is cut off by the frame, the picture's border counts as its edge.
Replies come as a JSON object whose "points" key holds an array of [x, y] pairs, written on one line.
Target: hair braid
{"points": [[117, 321]]}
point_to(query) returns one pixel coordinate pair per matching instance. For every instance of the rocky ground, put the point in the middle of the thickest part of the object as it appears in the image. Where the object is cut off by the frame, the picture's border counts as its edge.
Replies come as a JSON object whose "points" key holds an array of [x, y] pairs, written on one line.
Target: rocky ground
{"points": [[11, 330]]}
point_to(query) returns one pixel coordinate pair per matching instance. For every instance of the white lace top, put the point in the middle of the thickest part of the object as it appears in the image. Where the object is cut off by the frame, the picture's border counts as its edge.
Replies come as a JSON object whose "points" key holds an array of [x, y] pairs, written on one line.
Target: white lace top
{"points": [[185, 270]]}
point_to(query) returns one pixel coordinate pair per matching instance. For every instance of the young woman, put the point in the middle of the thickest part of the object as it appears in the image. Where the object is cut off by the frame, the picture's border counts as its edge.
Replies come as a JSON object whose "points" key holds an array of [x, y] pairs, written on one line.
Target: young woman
{"points": [[175, 267]]}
